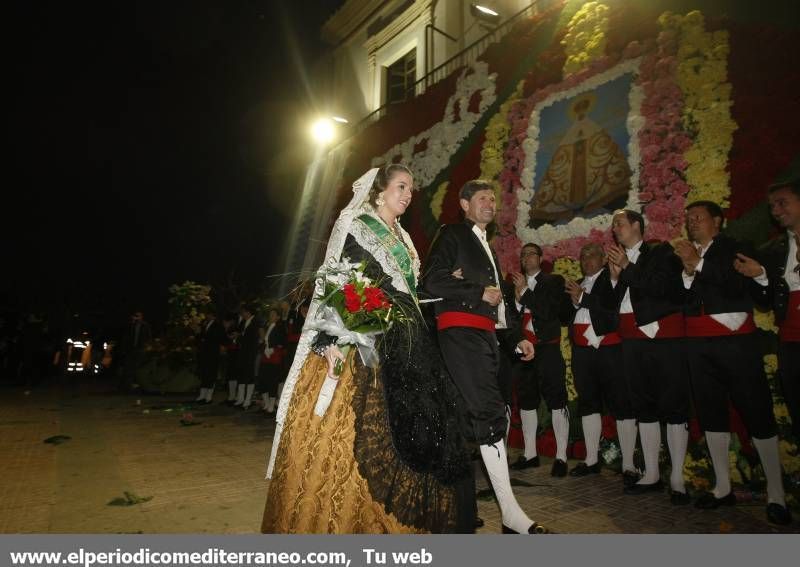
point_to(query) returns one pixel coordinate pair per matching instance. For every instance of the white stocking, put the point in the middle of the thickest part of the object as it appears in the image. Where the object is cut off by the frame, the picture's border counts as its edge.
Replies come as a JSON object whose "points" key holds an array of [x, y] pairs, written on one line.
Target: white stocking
{"points": [[530, 422], [677, 441], [768, 453], [626, 432], [494, 457], [650, 434], [592, 427], [718, 443], [561, 430]]}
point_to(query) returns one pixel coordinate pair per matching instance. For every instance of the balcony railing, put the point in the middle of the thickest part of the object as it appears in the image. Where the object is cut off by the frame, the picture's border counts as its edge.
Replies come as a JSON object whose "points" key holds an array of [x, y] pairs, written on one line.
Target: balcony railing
{"points": [[465, 57]]}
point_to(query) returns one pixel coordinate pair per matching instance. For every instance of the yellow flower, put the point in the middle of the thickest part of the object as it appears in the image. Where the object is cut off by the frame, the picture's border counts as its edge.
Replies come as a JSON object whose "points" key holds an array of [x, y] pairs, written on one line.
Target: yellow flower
{"points": [[567, 267], [765, 320], [702, 76], [438, 200], [585, 39]]}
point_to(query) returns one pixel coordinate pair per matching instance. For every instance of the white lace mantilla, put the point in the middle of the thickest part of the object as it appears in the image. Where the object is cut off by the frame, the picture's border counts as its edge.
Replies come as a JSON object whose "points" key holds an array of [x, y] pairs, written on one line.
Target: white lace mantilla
{"points": [[370, 242]]}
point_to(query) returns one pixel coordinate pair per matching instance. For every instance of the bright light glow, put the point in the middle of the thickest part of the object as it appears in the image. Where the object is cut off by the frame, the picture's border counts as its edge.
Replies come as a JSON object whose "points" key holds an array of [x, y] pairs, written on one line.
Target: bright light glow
{"points": [[322, 130], [486, 10], [339, 119]]}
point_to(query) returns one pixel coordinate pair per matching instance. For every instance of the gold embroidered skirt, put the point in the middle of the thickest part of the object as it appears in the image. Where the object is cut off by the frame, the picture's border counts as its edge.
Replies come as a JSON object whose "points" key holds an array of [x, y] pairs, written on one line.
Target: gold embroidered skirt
{"points": [[341, 473]]}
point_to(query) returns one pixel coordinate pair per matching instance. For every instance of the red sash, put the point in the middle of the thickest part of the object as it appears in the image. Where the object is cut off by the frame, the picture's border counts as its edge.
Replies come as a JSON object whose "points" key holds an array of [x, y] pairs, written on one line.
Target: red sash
{"points": [[705, 326], [278, 354], [669, 327], [460, 319], [578, 329], [790, 327], [527, 325]]}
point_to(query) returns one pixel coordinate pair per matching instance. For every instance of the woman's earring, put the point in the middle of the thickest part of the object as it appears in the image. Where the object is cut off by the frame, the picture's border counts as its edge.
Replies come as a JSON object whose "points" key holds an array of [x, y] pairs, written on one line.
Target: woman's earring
{"points": [[380, 202]]}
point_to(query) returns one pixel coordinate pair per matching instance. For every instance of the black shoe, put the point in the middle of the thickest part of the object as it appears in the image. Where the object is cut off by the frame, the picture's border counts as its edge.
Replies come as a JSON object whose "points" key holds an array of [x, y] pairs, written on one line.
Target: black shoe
{"points": [[710, 502], [679, 498], [478, 522], [582, 469], [636, 489], [559, 468], [534, 529], [522, 463], [629, 478], [777, 514]]}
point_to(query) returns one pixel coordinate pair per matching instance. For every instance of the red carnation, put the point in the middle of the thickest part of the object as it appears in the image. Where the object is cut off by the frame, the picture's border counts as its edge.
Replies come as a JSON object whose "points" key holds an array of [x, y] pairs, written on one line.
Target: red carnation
{"points": [[352, 300]]}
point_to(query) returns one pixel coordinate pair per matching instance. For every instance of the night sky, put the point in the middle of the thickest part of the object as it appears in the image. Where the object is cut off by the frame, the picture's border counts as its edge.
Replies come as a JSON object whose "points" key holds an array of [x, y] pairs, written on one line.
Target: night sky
{"points": [[153, 142]]}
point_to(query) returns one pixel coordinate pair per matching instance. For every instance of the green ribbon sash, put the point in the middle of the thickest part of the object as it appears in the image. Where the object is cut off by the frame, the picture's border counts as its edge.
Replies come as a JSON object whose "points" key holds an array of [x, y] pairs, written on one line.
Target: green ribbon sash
{"points": [[396, 248]]}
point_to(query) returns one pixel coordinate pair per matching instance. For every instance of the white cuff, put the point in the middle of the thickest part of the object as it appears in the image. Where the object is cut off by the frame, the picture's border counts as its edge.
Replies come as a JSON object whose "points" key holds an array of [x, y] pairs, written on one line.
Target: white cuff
{"points": [[762, 279], [325, 396]]}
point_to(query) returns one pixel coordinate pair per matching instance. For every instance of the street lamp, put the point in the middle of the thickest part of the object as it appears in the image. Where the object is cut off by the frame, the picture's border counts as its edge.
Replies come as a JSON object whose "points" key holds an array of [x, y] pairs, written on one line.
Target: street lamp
{"points": [[322, 131], [484, 13]]}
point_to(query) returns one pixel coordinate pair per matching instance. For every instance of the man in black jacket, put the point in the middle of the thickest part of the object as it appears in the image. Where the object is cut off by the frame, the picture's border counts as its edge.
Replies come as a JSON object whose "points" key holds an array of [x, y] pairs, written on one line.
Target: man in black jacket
{"points": [[777, 269], [249, 357], [472, 309], [210, 344], [540, 299], [596, 353], [725, 362], [651, 326]]}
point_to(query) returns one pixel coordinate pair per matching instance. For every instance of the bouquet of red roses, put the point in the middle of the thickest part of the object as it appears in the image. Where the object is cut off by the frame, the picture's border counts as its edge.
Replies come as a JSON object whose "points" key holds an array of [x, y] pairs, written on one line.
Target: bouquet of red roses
{"points": [[353, 309]]}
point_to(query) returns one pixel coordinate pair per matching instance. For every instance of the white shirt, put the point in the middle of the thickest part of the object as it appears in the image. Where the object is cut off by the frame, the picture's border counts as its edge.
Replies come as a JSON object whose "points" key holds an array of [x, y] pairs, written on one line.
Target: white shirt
{"points": [[583, 317], [531, 286], [267, 350], [501, 307], [730, 320], [792, 278], [626, 306]]}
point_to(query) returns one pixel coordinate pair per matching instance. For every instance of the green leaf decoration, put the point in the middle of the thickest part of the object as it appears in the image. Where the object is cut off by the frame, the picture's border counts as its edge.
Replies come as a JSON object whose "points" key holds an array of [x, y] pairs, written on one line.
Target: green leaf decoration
{"points": [[129, 499], [57, 439]]}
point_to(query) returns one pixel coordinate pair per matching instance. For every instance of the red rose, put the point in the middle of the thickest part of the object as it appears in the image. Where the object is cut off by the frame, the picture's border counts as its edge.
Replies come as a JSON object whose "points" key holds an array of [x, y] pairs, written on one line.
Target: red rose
{"points": [[374, 299], [609, 430], [352, 300]]}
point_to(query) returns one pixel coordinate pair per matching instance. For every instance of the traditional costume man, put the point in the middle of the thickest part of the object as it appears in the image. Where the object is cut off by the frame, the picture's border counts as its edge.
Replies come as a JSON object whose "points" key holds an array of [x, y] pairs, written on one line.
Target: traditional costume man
{"points": [[651, 327], [471, 310], [540, 299], [724, 358], [596, 356]]}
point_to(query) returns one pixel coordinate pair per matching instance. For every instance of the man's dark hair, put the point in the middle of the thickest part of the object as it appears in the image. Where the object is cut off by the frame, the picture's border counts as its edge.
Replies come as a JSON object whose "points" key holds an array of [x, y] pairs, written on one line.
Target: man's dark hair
{"points": [[532, 245], [792, 185], [713, 209], [633, 216], [473, 186]]}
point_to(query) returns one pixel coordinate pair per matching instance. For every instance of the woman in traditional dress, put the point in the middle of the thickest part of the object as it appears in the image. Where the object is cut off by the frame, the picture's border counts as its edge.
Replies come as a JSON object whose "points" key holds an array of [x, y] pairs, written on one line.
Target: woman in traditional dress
{"points": [[386, 456]]}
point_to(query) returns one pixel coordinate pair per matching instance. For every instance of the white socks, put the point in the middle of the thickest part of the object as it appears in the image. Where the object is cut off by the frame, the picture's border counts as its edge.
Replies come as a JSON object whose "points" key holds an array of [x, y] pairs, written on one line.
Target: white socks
{"points": [[202, 395], [650, 434], [265, 401], [209, 394], [232, 390], [494, 457], [508, 424], [240, 395], [530, 421], [249, 395], [592, 427], [718, 443], [561, 429], [768, 453], [626, 432], [677, 441]]}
